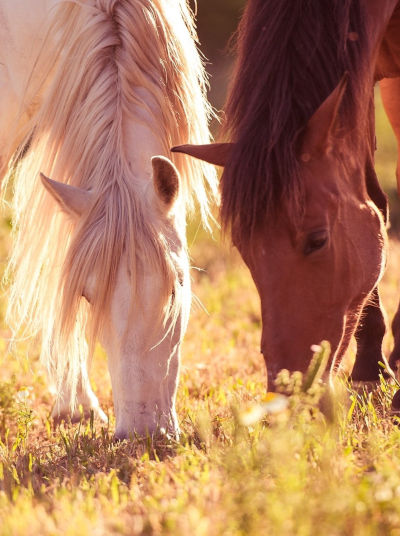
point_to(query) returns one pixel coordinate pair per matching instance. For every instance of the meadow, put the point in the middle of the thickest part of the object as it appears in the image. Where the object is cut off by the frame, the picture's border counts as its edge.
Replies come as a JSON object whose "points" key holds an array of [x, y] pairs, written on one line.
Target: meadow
{"points": [[247, 463]]}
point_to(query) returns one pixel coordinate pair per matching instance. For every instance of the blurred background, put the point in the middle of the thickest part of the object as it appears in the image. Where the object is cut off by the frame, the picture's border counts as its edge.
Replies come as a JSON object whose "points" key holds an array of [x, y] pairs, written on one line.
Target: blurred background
{"points": [[217, 21]]}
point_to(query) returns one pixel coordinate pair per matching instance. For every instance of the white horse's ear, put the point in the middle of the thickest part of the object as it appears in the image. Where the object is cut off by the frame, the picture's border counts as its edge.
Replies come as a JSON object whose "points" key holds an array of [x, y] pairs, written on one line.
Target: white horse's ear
{"points": [[166, 181], [72, 200]]}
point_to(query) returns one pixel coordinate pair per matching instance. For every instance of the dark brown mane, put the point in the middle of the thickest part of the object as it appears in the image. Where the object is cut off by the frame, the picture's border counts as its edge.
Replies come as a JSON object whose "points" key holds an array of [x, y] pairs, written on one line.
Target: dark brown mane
{"points": [[291, 55]]}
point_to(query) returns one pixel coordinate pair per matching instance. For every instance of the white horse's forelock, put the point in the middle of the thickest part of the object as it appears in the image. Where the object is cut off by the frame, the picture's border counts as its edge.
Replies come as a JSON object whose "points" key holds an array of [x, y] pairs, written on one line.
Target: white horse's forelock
{"points": [[97, 60]]}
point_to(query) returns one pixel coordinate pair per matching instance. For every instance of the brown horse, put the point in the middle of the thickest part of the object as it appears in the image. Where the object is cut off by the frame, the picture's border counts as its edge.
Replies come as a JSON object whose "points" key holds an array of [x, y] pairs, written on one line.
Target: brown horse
{"points": [[299, 191]]}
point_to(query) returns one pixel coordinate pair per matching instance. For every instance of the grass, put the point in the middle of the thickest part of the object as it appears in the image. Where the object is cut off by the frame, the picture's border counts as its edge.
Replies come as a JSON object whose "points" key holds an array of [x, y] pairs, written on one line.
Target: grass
{"points": [[246, 464]]}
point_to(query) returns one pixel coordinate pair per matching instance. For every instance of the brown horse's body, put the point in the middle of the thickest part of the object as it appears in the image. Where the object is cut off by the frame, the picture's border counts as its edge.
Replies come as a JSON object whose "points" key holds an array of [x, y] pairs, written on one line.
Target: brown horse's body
{"points": [[299, 190]]}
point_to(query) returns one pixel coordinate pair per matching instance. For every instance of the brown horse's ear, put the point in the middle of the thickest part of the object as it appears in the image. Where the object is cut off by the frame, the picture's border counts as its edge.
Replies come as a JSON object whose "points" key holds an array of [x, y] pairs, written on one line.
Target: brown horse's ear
{"points": [[213, 153], [72, 200], [321, 126]]}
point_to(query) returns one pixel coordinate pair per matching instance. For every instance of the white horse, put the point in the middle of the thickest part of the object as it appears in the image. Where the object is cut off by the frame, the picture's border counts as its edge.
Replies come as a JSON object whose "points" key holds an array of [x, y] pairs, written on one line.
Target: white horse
{"points": [[90, 91]]}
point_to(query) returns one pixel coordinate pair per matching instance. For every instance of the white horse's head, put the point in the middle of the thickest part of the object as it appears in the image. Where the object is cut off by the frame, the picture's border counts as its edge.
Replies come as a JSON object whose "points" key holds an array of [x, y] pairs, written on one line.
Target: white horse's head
{"points": [[145, 319]]}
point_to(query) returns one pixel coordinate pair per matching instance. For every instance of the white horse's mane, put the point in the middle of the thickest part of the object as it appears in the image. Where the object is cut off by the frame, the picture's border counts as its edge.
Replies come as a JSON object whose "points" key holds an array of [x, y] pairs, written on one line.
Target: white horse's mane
{"points": [[95, 56]]}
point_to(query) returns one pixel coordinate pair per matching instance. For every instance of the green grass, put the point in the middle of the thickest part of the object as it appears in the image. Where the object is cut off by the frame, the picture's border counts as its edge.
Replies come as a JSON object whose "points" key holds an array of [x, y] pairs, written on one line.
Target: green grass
{"points": [[240, 468]]}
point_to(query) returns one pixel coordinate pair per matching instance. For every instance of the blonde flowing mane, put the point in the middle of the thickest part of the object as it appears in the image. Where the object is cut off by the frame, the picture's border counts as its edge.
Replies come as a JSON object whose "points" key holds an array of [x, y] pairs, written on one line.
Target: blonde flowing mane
{"points": [[95, 57]]}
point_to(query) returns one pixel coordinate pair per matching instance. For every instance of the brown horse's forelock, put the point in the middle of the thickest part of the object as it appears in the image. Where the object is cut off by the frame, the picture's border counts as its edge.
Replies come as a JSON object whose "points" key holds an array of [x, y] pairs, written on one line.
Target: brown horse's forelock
{"points": [[291, 55]]}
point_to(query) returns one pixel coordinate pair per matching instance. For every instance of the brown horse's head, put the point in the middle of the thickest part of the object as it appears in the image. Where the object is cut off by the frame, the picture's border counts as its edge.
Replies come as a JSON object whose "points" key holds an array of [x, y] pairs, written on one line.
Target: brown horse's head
{"points": [[314, 268]]}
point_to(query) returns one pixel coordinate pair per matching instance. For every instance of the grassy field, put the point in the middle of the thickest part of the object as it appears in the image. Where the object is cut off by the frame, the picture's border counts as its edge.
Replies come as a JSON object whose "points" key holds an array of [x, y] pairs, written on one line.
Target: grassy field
{"points": [[246, 464]]}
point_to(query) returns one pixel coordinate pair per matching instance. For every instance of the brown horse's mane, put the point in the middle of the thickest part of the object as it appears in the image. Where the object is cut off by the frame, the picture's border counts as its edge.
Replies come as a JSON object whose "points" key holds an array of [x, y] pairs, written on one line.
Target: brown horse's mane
{"points": [[291, 55]]}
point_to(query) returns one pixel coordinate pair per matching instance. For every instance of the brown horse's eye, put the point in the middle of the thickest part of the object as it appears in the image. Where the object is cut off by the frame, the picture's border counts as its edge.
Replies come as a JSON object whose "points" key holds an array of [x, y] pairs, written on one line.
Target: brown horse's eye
{"points": [[315, 241]]}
